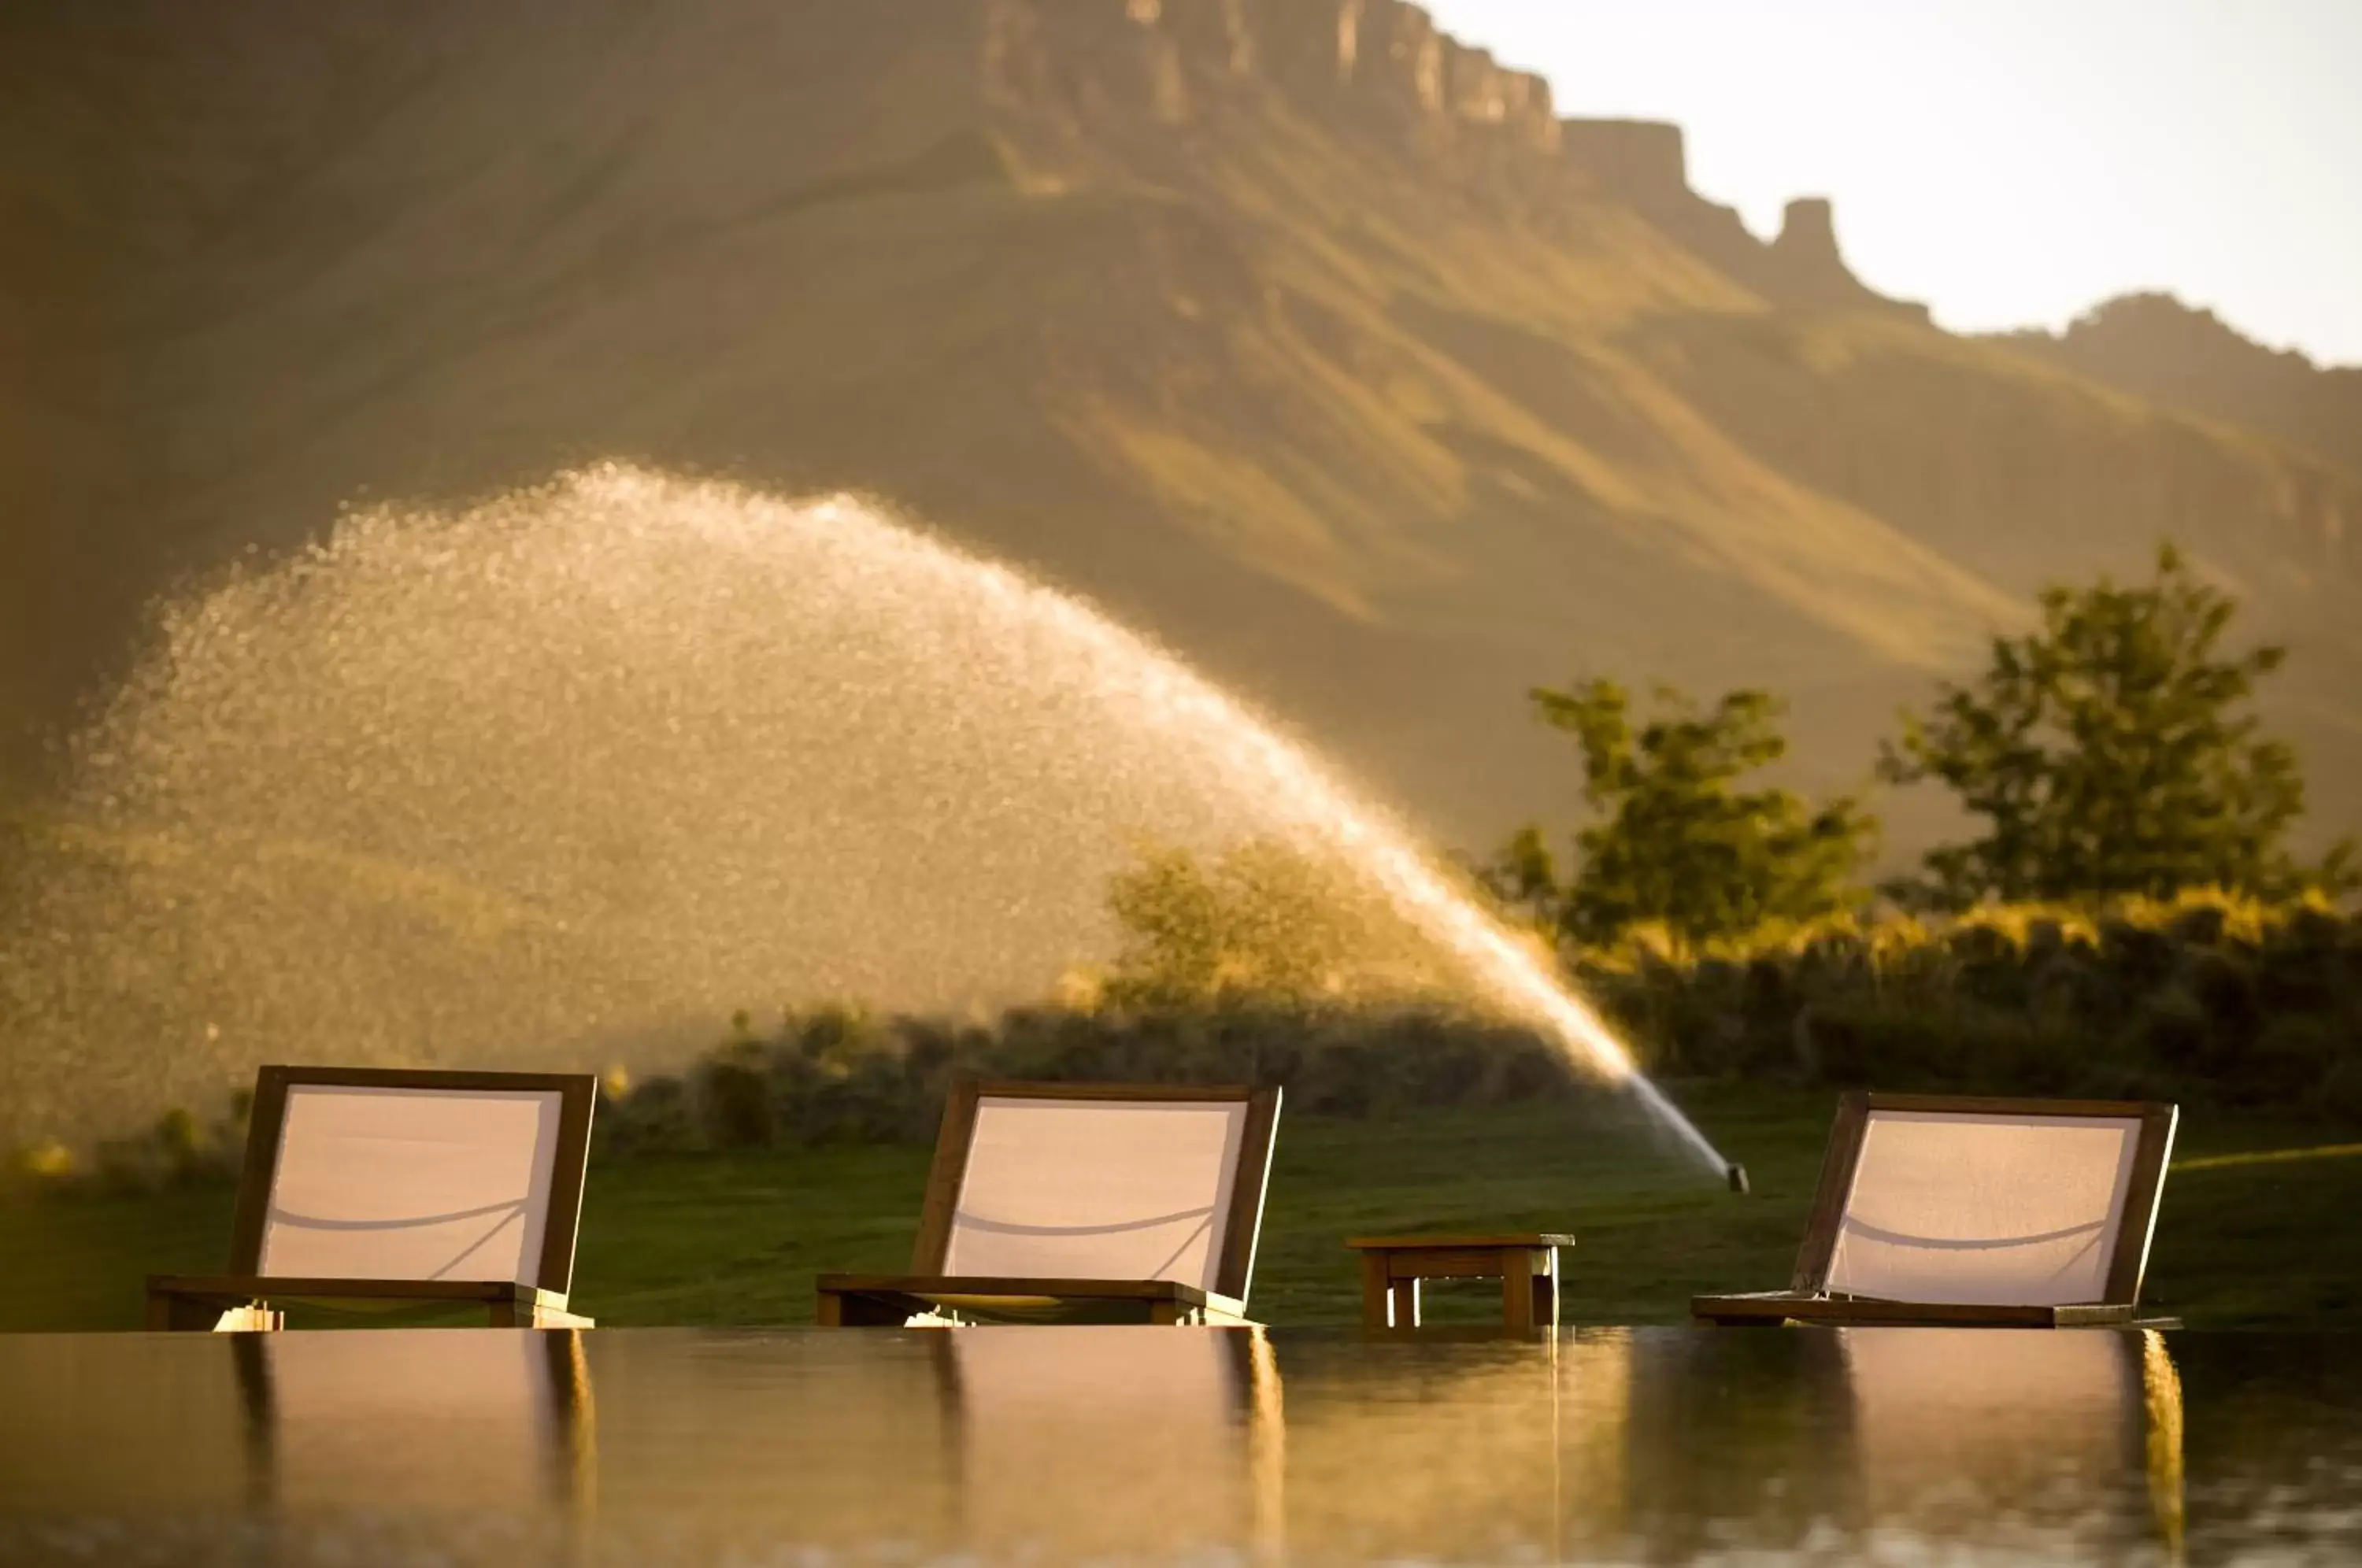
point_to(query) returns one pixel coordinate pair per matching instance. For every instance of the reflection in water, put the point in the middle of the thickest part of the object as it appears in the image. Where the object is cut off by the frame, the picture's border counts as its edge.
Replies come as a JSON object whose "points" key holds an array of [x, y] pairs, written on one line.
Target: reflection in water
{"points": [[2161, 1392], [1480, 1448], [432, 1419], [296, 1423], [1148, 1445], [2043, 1424], [1155, 1428]]}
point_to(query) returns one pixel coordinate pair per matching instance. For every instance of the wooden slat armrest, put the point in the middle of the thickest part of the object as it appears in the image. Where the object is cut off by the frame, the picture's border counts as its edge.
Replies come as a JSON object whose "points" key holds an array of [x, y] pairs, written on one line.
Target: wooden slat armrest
{"points": [[1771, 1307], [248, 1288], [1457, 1243], [877, 1300], [182, 1301], [997, 1285], [1757, 1309], [2098, 1315]]}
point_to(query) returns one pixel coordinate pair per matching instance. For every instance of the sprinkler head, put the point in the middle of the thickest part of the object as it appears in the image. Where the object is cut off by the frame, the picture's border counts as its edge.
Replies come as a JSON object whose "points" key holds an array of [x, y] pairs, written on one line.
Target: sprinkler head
{"points": [[1737, 1177]]}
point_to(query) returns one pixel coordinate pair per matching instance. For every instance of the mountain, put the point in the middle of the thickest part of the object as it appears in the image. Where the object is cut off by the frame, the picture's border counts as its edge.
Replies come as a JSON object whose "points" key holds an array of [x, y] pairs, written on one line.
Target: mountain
{"points": [[1293, 330], [2179, 356]]}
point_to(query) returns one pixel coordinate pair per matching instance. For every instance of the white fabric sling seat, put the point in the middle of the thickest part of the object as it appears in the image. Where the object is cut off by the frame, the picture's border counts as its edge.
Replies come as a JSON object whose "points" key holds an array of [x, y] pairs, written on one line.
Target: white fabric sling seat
{"points": [[1081, 1203], [382, 1188], [1940, 1210]]}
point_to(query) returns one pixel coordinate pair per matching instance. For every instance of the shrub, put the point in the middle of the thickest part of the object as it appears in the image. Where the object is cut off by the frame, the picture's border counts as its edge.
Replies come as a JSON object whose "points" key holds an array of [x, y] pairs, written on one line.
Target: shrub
{"points": [[2206, 998], [828, 1077]]}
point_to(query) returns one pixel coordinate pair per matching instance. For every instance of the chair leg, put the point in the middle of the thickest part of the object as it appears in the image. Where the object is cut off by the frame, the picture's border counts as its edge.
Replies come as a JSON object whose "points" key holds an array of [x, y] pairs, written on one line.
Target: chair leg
{"points": [[171, 1312], [252, 1319], [837, 1309], [1546, 1292], [1403, 1303]]}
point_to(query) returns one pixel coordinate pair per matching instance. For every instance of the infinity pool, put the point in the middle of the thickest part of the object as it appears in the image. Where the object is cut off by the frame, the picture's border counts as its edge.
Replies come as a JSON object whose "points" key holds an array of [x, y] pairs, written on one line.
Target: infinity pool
{"points": [[1043, 1446]]}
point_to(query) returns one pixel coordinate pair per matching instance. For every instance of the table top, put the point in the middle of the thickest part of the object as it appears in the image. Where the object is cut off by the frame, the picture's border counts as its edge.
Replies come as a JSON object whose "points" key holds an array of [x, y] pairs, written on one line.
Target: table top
{"points": [[1459, 1243]]}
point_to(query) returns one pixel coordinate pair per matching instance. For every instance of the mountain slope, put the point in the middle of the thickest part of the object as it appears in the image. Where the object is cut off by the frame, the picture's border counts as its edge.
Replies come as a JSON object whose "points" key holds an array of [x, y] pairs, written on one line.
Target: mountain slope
{"points": [[2177, 356], [1289, 329]]}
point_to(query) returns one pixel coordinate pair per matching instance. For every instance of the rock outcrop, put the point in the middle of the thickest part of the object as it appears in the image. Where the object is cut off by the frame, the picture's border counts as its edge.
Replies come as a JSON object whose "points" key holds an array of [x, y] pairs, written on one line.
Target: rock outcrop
{"points": [[1384, 66], [1645, 164]]}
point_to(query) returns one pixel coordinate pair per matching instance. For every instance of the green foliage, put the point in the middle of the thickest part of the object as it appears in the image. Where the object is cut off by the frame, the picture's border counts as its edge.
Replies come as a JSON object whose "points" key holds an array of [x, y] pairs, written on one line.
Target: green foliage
{"points": [[1680, 843], [1262, 921], [2208, 998], [2112, 752], [838, 1076], [176, 1152]]}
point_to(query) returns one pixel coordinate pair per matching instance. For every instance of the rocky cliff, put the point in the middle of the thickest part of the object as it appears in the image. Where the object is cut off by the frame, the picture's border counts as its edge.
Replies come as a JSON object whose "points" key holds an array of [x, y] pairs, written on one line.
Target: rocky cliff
{"points": [[1295, 330]]}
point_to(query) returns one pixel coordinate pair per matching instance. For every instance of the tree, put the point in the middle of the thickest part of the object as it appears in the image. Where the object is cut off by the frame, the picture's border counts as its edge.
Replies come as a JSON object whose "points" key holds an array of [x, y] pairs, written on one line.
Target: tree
{"points": [[2113, 752], [1678, 843], [1265, 920]]}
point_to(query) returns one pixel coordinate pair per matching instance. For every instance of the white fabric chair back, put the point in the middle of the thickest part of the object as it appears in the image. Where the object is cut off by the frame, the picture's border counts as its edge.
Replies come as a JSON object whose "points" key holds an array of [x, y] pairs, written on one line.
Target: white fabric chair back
{"points": [[1985, 1208], [379, 1182], [1097, 1190]]}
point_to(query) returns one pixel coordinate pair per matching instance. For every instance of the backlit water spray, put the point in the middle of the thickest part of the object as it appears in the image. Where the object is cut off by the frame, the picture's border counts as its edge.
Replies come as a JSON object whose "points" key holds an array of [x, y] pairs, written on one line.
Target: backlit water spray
{"points": [[567, 777]]}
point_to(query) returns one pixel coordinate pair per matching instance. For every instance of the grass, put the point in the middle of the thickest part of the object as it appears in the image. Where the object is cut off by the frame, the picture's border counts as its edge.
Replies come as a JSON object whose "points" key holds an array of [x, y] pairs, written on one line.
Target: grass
{"points": [[2255, 1231]]}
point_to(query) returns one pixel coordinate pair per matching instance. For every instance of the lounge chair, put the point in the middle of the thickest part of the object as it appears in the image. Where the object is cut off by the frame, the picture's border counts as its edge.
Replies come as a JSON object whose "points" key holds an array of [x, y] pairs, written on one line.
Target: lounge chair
{"points": [[368, 1188], [1081, 1202], [1943, 1211]]}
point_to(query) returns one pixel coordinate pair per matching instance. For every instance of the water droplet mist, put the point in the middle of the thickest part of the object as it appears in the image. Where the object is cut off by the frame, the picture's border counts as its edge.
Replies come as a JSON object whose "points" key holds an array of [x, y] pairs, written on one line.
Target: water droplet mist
{"points": [[569, 775]]}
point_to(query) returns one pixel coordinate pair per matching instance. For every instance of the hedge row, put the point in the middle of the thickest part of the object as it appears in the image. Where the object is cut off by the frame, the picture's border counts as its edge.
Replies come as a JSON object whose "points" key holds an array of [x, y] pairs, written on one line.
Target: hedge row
{"points": [[2206, 1002]]}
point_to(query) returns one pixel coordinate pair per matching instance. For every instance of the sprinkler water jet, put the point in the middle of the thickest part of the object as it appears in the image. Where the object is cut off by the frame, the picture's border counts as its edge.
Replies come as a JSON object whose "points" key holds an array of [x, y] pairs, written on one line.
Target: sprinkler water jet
{"points": [[569, 776]]}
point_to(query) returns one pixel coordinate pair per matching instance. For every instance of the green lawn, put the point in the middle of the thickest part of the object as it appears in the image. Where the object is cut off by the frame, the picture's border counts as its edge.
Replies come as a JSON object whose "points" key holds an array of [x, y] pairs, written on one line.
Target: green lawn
{"points": [[736, 1238]]}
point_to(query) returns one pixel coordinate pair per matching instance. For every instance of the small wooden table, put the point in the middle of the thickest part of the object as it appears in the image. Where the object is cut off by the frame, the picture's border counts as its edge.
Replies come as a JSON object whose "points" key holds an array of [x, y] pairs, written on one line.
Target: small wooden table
{"points": [[1526, 1264]]}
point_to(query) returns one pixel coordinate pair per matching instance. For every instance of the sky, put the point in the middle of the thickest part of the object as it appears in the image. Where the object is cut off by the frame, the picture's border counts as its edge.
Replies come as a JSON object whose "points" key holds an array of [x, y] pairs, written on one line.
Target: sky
{"points": [[2011, 162]]}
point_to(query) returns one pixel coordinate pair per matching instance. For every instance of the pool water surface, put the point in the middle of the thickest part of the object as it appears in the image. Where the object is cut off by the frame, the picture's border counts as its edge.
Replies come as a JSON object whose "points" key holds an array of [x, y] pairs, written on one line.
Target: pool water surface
{"points": [[1044, 1446]]}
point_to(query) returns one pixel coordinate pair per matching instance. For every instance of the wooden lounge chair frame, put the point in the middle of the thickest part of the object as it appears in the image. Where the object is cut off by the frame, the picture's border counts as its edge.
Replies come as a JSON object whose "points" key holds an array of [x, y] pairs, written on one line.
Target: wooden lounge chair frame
{"points": [[241, 1300], [1808, 1300], [847, 1300]]}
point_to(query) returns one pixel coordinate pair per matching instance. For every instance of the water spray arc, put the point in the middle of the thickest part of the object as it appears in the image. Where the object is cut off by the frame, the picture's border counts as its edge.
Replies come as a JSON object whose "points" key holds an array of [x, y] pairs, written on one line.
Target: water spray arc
{"points": [[575, 773], [1492, 955]]}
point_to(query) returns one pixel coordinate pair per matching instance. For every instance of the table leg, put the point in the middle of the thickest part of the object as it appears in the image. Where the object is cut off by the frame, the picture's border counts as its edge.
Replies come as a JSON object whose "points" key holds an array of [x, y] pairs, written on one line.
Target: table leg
{"points": [[1376, 1303], [1518, 1291]]}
